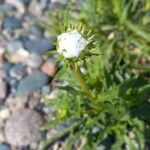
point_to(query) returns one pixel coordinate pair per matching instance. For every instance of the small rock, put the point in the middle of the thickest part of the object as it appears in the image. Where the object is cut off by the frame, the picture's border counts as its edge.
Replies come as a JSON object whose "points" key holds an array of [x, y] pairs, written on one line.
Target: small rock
{"points": [[6, 8], [34, 100], [49, 68], [16, 103], [59, 1], [23, 128], [95, 130], [40, 45], [131, 135], [11, 22], [34, 61], [32, 83], [11, 80], [34, 5], [18, 71], [46, 89], [34, 146], [4, 113], [4, 147], [36, 32], [50, 112], [17, 4], [2, 49], [44, 4], [13, 46], [3, 74], [19, 57], [7, 66], [26, 2], [2, 137], [3, 89]]}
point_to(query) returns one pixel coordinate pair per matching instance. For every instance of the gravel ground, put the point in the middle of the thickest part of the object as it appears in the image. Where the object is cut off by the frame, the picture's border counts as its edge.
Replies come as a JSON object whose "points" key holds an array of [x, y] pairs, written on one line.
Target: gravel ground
{"points": [[25, 74]]}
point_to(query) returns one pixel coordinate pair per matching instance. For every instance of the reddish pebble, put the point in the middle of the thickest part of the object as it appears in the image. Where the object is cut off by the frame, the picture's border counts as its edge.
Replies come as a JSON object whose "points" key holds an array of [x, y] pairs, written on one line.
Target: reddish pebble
{"points": [[49, 68]]}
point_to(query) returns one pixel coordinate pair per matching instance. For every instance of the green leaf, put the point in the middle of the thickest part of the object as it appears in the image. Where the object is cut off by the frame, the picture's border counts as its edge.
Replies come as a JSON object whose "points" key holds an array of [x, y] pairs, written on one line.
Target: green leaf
{"points": [[118, 144], [59, 135], [129, 143], [51, 52], [138, 30], [61, 71]]}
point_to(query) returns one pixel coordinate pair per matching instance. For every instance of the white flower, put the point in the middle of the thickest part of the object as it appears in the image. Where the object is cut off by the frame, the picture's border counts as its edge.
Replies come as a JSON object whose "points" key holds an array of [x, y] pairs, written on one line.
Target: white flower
{"points": [[71, 44]]}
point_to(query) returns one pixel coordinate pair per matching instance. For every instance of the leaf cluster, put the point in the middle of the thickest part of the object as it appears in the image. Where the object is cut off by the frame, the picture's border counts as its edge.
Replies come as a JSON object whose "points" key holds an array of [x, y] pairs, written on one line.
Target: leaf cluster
{"points": [[119, 77]]}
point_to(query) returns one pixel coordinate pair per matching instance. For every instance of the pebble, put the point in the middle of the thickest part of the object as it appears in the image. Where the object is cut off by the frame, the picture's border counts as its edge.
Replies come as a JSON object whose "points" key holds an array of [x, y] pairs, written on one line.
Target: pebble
{"points": [[16, 103], [35, 33], [4, 113], [7, 66], [3, 89], [18, 71], [46, 89], [20, 56], [39, 46], [2, 137], [23, 128], [11, 22], [13, 46], [32, 83], [3, 74], [2, 48], [44, 4], [49, 68], [34, 61], [34, 100], [4, 147], [26, 2], [6, 8], [17, 4], [34, 5]]}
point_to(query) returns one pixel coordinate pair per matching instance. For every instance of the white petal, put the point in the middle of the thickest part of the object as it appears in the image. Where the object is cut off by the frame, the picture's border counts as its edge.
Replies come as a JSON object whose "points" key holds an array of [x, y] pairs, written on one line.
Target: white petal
{"points": [[70, 44]]}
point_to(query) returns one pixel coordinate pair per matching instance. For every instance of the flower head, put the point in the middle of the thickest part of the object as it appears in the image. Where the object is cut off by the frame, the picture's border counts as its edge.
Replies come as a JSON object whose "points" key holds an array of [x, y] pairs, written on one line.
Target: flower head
{"points": [[71, 44]]}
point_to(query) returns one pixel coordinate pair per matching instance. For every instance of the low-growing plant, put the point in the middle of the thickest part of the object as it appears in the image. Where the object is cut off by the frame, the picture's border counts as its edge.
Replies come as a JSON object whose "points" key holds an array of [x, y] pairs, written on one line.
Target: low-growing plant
{"points": [[104, 54]]}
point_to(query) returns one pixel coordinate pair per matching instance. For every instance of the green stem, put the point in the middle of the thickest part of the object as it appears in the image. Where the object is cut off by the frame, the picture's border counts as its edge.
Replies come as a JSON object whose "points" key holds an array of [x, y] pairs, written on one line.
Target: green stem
{"points": [[81, 81]]}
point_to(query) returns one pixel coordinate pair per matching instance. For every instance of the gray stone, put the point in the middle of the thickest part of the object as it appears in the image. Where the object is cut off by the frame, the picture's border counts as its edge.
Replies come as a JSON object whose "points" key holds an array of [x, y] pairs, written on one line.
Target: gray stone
{"points": [[32, 83], [13, 46], [35, 5], [46, 89], [34, 61], [26, 2], [23, 128], [6, 8], [11, 22], [3, 74], [44, 4], [16, 103], [40, 45], [18, 71], [4, 147], [7, 66], [36, 32]]}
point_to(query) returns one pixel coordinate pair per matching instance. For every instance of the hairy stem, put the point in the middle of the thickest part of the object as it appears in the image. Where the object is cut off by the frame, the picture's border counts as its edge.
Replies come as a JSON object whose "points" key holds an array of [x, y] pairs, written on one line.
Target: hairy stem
{"points": [[80, 78]]}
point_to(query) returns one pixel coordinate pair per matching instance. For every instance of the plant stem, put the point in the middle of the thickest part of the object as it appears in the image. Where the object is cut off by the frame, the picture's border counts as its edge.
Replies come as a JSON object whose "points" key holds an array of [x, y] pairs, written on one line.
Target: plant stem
{"points": [[81, 81]]}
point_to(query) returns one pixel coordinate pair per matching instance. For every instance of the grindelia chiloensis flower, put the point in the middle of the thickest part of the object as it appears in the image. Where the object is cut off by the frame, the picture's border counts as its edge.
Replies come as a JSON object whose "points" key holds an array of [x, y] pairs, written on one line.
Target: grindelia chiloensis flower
{"points": [[71, 44]]}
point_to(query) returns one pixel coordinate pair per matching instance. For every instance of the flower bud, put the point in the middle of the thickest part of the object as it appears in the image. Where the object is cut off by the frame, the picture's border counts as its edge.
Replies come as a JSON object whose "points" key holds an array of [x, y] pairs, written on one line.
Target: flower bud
{"points": [[71, 44]]}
